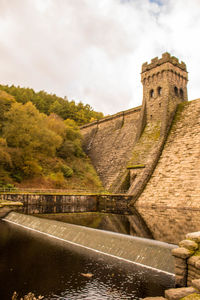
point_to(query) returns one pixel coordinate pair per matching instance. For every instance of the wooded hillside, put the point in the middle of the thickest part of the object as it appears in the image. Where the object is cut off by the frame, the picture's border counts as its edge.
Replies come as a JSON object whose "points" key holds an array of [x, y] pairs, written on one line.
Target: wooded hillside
{"points": [[50, 103], [41, 146]]}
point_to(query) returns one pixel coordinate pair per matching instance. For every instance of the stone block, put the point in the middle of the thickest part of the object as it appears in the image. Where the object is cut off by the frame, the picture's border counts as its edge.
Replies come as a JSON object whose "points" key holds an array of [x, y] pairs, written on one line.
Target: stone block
{"points": [[196, 284], [197, 264], [188, 244], [182, 252], [180, 271], [176, 294], [194, 260], [194, 270], [180, 281], [180, 262], [194, 236]]}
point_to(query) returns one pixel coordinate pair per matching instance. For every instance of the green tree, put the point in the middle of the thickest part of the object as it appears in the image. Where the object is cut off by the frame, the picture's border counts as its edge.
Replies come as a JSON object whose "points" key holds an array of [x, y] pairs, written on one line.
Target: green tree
{"points": [[50, 103], [6, 101], [27, 129]]}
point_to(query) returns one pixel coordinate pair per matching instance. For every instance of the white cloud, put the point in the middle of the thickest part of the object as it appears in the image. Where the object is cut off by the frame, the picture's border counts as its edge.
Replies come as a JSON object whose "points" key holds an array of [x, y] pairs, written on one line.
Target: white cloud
{"points": [[92, 50]]}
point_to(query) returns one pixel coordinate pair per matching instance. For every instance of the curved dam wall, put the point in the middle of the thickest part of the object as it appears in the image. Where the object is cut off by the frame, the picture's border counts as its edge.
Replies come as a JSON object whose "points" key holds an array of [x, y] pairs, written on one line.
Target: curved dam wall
{"points": [[176, 178], [152, 254], [109, 143]]}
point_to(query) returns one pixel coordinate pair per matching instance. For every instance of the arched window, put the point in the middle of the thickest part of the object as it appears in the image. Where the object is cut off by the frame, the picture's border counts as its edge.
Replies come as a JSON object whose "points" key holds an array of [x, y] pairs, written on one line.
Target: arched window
{"points": [[151, 93], [175, 91], [181, 93], [159, 91]]}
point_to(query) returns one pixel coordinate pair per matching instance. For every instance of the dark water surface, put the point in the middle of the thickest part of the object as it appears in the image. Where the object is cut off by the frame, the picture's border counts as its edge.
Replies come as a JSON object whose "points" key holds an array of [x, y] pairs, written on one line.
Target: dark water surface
{"points": [[32, 262]]}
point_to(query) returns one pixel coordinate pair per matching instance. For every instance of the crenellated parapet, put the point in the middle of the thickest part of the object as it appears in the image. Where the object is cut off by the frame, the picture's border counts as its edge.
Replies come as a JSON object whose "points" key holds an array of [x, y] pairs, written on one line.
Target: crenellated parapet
{"points": [[164, 86], [166, 58]]}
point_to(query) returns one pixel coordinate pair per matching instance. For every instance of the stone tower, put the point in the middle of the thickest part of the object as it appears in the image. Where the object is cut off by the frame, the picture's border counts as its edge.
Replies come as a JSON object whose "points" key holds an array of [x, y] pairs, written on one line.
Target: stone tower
{"points": [[164, 86]]}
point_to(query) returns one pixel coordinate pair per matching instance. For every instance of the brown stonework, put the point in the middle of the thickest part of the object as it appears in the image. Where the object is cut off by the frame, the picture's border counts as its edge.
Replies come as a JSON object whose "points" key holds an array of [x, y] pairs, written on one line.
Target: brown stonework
{"points": [[164, 85], [187, 261], [175, 181], [109, 144], [176, 294], [118, 143]]}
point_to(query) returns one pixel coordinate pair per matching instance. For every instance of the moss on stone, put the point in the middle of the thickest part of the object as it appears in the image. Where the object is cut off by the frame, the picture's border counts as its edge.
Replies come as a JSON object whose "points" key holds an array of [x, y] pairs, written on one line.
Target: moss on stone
{"points": [[194, 296], [136, 166], [10, 203], [146, 143], [180, 109], [126, 183], [197, 253]]}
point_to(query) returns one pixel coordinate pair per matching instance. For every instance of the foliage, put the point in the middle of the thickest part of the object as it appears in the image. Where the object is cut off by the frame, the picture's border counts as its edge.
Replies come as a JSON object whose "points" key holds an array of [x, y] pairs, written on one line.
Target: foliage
{"points": [[50, 103], [27, 129], [6, 101], [40, 148], [67, 171]]}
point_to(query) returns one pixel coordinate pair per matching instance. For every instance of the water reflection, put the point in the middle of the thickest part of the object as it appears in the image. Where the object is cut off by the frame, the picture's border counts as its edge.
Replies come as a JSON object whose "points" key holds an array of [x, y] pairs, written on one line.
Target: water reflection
{"points": [[164, 224], [170, 224], [29, 262]]}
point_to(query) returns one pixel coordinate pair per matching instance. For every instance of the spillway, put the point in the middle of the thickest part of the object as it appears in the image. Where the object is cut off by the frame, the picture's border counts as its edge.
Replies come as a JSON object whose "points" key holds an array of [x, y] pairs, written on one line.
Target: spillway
{"points": [[145, 252]]}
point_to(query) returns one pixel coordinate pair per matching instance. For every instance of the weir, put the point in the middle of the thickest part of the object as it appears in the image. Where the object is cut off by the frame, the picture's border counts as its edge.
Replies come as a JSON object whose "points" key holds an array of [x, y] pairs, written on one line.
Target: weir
{"points": [[151, 254]]}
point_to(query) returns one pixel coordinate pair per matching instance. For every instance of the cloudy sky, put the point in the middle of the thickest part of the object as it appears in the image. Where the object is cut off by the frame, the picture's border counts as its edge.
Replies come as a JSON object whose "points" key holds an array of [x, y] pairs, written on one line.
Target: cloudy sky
{"points": [[92, 50]]}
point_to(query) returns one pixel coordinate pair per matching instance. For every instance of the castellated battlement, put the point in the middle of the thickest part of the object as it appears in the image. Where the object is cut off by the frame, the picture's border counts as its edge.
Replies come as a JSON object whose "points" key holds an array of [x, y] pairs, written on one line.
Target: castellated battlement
{"points": [[166, 58], [125, 148], [164, 86]]}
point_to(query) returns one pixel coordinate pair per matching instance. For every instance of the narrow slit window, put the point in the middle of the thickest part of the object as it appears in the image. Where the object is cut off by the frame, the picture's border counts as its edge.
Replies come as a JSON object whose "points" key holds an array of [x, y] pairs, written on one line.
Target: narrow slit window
{"points": [[181, 93], [176, 91], [151, 93], [159, 91]]}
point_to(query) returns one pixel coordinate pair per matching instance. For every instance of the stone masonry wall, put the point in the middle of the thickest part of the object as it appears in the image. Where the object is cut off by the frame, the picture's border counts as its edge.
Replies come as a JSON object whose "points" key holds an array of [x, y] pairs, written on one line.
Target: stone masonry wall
{"points": [[187, 260], [119, 144], [109, 144], [56, 203], [176, 179]]}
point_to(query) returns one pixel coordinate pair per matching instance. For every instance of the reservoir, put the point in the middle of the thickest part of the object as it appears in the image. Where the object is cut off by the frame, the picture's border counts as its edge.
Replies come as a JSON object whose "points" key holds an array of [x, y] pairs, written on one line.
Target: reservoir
{"points": [[30, 261], [56, 269]]}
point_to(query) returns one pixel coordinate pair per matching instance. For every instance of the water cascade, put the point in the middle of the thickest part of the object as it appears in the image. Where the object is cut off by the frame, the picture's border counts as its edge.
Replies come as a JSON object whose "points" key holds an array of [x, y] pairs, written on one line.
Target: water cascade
{"points": [[149, 253]]}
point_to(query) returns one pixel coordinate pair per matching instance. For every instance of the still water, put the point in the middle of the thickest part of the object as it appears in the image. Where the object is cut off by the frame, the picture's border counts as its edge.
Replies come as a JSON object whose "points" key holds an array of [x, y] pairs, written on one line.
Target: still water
{"points": [[31, 262]]}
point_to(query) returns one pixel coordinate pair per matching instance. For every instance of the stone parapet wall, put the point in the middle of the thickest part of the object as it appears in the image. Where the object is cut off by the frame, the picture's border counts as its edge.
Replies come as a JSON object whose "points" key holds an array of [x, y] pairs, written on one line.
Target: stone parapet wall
{"points": [[187, 270], [166, 57], [52, 203], [187, 260], [118, 115]]}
